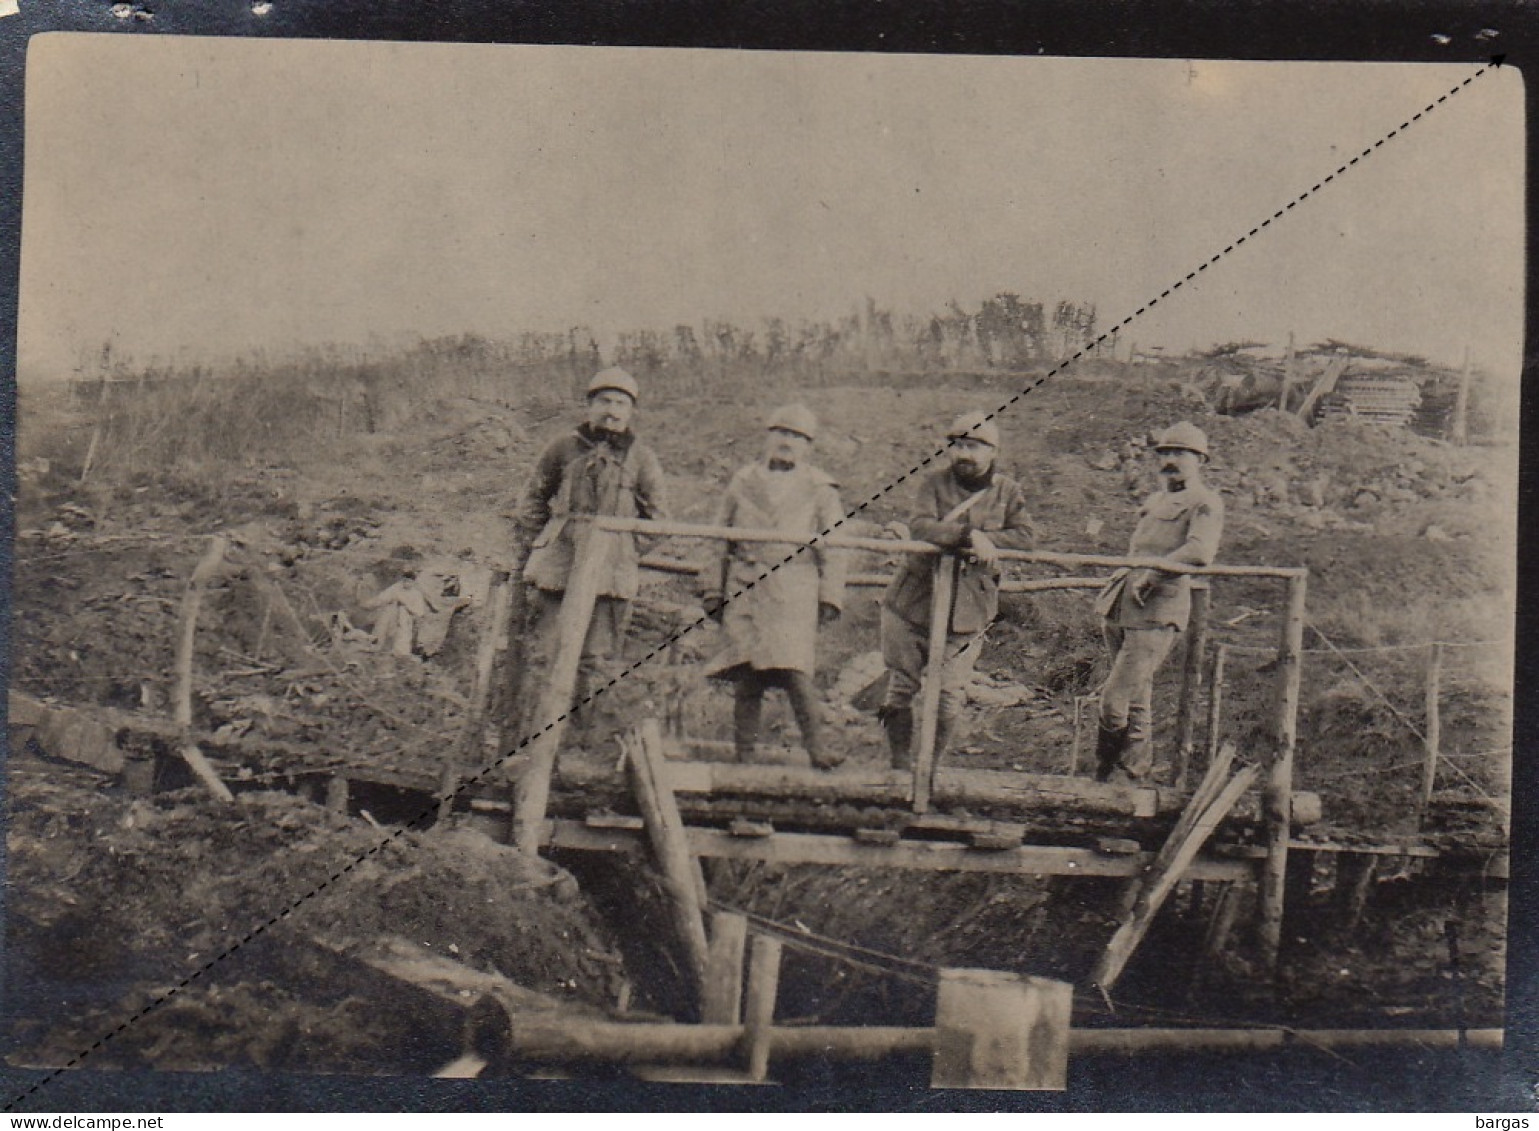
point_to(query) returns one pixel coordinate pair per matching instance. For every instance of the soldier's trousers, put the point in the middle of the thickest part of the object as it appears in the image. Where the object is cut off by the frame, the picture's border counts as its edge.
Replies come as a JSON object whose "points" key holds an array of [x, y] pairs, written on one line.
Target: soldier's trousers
{"points": [[905, 650], [602, 651], [748, 703], [1128, 693]]}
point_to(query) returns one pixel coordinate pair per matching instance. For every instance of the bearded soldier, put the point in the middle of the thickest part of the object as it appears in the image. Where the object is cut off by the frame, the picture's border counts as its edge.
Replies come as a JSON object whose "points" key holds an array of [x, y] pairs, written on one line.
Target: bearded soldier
{"points": [[1143, 610], [769, 600], [971, 510], [599, 468]]}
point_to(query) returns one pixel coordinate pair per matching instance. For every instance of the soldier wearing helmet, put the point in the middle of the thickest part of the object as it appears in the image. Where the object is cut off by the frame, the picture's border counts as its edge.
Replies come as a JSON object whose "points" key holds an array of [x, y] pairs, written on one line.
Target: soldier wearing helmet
{"points": [[971, 510], [771, 604], [1143, 610], [598, 468]]}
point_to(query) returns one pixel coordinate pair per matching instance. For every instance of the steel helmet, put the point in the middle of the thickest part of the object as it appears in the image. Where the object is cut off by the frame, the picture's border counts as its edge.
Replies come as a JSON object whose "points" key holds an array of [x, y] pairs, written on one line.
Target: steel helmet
{"points": [[1183, 437], [975, 426], [796, 418], [614, 378]]}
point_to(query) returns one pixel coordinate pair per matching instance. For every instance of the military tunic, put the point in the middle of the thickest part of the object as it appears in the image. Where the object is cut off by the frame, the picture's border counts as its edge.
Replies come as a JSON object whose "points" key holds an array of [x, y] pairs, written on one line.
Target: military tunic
{"points": [[1183, 526]]}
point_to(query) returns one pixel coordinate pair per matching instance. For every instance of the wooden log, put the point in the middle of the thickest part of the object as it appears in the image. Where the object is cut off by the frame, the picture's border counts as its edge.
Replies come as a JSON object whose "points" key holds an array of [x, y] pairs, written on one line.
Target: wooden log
{"points": [[1216, 701], [1006, 789], [942, 589], [1001, 1030], [1432, 742], [1225, 909], [1208, 790], [722, 995], [759, 1008], [670, 846], [1191, 681], [923, 856], [187, 630], [1159, 885], [897, 546], [1277, 797], [1133, 1041], [532, 790]]}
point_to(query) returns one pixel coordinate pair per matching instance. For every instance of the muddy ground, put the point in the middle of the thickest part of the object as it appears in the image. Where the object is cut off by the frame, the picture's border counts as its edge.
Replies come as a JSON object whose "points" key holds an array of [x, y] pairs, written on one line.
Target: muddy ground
{"points": [[119, 894]]}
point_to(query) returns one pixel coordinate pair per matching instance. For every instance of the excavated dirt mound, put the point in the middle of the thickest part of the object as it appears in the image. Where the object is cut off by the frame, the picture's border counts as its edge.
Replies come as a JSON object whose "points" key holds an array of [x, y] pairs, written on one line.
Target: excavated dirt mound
{"points": [[111, 890]]}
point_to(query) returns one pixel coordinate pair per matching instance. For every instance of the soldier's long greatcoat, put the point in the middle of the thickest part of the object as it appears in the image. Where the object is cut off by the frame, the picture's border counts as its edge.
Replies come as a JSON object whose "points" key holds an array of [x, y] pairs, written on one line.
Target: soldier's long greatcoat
{"points": [[774, 624]]}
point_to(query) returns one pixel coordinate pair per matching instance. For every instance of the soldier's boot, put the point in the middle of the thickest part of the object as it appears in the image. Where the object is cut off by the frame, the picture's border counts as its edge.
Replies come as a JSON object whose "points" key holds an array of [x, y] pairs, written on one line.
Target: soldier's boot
{"points": [[747, 707], [804, 705], [898, 722], [1109, 744]]}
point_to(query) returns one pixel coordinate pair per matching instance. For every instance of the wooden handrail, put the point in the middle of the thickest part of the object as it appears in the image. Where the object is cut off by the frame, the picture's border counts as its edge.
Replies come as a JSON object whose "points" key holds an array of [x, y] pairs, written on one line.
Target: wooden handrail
{"points": [[672, 529]]}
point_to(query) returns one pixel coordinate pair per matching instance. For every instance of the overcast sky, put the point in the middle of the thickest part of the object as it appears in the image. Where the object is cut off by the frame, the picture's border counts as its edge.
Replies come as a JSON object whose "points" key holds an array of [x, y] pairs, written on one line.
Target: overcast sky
{"points": [[188, 198]]}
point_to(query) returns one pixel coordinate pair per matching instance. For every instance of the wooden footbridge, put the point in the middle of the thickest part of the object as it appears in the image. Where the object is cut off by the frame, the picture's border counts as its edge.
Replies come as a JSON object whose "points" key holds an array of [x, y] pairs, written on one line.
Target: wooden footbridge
{"points": [[1242, 825]]}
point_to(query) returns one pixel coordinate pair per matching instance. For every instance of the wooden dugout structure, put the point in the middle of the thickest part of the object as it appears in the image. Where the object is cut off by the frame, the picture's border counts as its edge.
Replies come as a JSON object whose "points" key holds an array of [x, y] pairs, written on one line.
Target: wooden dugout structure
{"points": [[532, 827]]}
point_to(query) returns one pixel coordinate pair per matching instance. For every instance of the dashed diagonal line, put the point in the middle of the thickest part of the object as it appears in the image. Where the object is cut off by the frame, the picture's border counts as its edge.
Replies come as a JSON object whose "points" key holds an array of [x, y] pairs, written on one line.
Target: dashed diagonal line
{"points": [[594, 694]]}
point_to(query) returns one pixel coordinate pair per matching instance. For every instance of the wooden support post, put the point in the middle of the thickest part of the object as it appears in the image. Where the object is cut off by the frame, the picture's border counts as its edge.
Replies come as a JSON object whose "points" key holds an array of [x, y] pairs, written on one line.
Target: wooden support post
{"points": [[1191, 681], [1434, 736], [549, 725], [934, 675], [999, 1030], [1160, 882], [670, 845], [1225, 908], [1355, 874], [1277, 797], [759, 1008], [492, 628], [722, 996], [1458, 431], [336, 794], [1287, 377], [1216, 702], [187, 631], [448, 786]]}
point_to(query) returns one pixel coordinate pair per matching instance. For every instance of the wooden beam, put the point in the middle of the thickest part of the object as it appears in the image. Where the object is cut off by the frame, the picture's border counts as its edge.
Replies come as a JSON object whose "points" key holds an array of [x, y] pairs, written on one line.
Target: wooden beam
{"points": [[759, 1008], [925, 856], [493, 627], [1216, 702], [1159, 885], [941, 591], [722, 996], [670, 846], [1277, 797], [532, 791]]}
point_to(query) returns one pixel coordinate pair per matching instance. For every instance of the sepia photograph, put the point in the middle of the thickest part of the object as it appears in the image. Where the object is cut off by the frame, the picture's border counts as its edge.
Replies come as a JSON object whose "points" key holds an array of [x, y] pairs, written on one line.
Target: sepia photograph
{"points": [[779, 572]]}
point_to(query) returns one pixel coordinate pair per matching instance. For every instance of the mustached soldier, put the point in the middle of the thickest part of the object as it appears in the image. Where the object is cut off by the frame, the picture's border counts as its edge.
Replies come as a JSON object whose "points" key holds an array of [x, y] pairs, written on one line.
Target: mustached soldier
{"points": [[1143, 610], [972, 510], [599, 468], [771, 606]]}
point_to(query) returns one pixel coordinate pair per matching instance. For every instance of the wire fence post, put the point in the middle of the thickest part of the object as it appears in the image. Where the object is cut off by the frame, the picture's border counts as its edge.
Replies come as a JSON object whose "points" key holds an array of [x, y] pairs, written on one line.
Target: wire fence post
{"points": [[1433, 739], [1277, 797]]}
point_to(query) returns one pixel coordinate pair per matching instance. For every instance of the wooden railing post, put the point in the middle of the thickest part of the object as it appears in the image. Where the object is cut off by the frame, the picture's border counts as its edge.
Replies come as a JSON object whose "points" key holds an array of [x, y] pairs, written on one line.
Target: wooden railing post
{"points": [[549, 725], [1277, 798], [941, 593], [1191, 681], [1216, 703]]}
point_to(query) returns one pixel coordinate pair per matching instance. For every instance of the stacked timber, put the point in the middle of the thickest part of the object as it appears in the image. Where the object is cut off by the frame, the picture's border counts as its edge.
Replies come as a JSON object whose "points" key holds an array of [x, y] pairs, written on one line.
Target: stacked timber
{"points": [[1380, 398]]}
